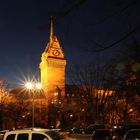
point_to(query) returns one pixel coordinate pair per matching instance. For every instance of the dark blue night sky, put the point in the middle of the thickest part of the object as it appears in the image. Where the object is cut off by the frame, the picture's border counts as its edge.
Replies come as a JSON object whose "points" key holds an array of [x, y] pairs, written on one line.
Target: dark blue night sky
{"points": [[78, 24]]}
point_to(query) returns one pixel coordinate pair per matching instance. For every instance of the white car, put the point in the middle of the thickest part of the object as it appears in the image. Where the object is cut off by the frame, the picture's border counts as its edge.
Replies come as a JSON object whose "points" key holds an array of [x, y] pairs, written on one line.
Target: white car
{"points": [[34, 134], [26, 135]]}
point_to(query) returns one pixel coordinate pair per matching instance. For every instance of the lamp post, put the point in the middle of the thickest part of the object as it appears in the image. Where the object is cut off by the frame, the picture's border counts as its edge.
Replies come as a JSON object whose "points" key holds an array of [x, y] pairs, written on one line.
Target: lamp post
{"points": [[32, 87]]}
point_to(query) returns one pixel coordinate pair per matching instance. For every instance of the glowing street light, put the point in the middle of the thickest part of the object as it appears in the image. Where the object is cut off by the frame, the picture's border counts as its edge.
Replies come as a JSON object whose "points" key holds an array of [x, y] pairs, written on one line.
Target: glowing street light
{"points": [[29, 85], [33, 87]]}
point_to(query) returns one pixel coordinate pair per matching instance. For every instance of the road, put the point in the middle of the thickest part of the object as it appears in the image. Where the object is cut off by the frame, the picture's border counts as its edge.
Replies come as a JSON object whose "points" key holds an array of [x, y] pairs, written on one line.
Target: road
{"points": [[81, 136]]}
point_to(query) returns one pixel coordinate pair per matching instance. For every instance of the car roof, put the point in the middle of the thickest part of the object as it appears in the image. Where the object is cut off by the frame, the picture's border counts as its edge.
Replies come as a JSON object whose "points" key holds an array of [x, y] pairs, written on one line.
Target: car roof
{"points": [[102, 130], [131, 130], [3, 131], [27, 131], [22, 130]]}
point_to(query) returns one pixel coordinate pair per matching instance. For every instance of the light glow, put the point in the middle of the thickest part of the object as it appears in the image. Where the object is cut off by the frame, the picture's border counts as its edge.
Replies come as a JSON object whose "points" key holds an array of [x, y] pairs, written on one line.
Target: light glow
{"points": [[56, 94], [33, 86], [29, 85], [38, 86]]}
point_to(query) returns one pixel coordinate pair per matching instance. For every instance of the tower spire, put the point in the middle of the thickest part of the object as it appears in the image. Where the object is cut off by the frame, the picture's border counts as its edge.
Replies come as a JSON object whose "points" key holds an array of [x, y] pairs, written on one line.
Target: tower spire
{"points": [[51, 30]]}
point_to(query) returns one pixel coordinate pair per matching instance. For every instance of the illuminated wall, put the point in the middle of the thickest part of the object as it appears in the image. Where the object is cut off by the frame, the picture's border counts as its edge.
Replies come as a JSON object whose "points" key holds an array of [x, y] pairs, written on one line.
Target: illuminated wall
{"points": [[52, 68]]}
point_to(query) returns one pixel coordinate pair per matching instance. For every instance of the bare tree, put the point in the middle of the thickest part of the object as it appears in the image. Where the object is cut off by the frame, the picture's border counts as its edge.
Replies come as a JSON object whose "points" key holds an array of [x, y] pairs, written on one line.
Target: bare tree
{"points": [[19, 109], [94, 86], [4, 98], [128, 83]]}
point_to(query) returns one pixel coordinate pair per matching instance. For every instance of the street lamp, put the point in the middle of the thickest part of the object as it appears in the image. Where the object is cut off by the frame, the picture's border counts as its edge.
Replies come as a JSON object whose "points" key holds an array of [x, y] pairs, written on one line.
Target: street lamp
{"points": [[33, 87]]}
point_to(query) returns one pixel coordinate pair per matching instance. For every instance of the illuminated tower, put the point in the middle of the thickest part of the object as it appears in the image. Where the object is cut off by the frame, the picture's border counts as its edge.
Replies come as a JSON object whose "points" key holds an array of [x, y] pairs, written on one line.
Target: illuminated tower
{"points": [[52, 68]]}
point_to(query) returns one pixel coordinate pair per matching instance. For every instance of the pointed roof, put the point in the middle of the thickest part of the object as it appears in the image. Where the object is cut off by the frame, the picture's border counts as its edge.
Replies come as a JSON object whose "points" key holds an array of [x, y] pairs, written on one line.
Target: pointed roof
{"points": [[53, 48], [51, 31]]}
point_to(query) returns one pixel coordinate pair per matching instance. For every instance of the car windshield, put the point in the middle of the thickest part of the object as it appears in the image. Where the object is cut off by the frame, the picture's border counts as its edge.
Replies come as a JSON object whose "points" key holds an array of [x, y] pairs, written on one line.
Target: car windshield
{"points": [[101, 134], [133, 135]]}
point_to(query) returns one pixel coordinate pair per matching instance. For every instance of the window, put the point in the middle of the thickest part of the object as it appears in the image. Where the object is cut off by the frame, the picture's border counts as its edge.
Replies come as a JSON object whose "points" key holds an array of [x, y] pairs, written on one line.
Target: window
{"points": [[11, 137], [1, 136], [101, 134], [38, 137], [22, 137]]}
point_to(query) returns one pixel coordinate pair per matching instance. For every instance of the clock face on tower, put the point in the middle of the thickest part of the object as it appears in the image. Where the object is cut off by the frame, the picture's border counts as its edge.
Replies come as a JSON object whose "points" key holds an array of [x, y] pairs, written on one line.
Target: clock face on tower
{"points": [[55, 52]]}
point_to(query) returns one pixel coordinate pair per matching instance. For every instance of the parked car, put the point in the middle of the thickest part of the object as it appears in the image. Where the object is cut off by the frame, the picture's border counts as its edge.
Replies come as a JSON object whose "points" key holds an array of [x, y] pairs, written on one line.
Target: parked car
{"points": [[101, 134], [35, 134], [118, 133], [78, 130], [26, 135], [130, 126], [133, 134], [64, 133], [91, 128], [56, 134]]}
